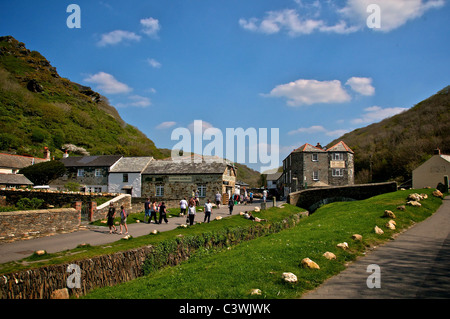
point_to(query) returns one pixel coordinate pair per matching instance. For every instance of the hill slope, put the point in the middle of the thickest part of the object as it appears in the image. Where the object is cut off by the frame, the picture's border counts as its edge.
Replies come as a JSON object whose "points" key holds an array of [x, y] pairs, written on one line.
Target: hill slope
{"points": [[39, 108], [399, 144]]}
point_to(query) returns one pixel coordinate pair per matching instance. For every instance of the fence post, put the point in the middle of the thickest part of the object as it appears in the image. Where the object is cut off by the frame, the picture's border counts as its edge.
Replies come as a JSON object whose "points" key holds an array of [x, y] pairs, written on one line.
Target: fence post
{"points": [[92, 209]]}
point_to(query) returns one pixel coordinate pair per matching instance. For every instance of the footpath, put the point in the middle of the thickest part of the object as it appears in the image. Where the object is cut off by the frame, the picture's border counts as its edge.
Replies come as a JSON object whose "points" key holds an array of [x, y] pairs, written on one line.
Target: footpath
{"points": [[99, 235], [416, 265]]}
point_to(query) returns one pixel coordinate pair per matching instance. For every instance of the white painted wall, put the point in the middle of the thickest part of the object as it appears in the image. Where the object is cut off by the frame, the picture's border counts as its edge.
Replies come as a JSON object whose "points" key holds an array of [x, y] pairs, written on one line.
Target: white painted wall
{"points": [[115, 183]]}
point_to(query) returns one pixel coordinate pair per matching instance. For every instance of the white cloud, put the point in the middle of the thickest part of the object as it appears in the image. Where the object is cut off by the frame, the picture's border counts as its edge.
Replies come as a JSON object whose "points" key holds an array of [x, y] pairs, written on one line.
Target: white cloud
{"points": [[154, 64], [306, 92], [117, 36], [150, 26], [165, 125], [107, 83], [136, 101], [393, 14], [352, 17], [375, 114], [361, 85], [316, 129]]}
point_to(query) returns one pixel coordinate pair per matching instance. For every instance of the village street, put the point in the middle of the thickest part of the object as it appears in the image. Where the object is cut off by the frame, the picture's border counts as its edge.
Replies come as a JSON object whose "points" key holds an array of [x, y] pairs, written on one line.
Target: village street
{"points": [[99, 235]]}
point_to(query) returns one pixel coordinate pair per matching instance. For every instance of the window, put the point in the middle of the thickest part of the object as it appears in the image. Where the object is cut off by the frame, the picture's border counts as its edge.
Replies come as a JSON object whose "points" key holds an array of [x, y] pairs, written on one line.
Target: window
{"points": [[125, 178], [97, 189], [337, 172], [80, 172], [338, 157], [201, 190], [159, 190], [315, 175], [98, 172], [315, 157]]}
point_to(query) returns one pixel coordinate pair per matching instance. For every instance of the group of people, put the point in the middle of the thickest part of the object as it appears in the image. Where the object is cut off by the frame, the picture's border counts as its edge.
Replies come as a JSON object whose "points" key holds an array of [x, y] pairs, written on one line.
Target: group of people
{"points": [[151, 209], [188, 208], [111, 214]]}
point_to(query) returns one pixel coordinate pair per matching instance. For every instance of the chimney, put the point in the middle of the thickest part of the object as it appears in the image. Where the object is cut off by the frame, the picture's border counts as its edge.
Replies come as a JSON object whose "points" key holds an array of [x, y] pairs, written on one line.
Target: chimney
{"points": [[66, 154], [46, 153], [319, 146], [437, 151]]}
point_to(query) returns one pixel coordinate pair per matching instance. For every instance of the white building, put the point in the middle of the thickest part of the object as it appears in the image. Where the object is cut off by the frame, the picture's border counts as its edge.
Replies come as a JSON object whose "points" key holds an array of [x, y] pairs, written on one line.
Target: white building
{"points": [[432, 172], [125, 176]]}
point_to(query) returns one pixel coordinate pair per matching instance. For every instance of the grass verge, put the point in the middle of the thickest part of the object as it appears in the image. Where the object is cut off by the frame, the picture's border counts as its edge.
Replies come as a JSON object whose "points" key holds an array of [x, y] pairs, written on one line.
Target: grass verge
{"points": [[258, 264]]}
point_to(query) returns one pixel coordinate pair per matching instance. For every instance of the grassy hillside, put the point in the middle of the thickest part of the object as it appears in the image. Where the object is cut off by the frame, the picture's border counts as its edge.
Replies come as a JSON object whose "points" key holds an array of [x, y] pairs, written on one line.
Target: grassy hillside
{"points": [[39, 108], [399, 144]]}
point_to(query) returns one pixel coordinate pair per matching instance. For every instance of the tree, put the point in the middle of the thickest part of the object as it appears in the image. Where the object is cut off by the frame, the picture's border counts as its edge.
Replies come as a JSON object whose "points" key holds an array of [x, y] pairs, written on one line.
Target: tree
{"points": [[43, 173]]}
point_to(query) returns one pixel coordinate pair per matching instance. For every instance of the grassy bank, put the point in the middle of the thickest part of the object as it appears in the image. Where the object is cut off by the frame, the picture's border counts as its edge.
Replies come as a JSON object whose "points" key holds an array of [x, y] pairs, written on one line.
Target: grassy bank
{"points": [[259, 264]]}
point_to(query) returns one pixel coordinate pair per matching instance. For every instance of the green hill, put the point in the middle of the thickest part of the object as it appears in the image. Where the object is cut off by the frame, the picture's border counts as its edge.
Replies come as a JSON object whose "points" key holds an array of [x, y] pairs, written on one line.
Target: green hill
{"points": [[394, 147], [39, 108]]}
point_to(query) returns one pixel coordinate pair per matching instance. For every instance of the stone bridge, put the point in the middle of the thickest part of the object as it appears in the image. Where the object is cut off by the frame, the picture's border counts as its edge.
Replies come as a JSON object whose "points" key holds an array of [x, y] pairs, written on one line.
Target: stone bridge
{"points": [[313, 198]]}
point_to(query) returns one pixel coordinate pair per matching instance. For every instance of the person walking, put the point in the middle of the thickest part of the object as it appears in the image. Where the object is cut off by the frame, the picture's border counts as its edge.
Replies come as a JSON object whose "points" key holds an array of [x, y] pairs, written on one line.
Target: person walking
{"points": [[191, 214], [208, 211], [183, 206], [230, 205], [264, 195], [153, 210], [110, 216], [123, 220], [147, 209], [218, 199], [163, 213], [251, 197]]}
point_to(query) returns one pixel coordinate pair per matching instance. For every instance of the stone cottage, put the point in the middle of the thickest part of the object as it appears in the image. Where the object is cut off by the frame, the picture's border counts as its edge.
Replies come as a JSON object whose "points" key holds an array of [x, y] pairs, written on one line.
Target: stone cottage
{"points": [[314, 166], [170, 181], [91, 172], [125, 176]]}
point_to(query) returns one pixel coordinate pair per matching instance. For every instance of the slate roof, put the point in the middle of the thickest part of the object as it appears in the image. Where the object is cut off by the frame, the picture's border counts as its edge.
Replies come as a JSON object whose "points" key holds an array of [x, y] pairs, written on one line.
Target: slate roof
{"points": [[340, 147], [308, 148], [14, 179], [166, 167], [131, 164], [91, 161], [18, 161], [274, 176]]}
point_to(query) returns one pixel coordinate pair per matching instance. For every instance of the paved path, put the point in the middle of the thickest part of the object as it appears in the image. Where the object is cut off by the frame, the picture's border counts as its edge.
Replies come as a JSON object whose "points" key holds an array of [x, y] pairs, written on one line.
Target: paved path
{"points": [[414, 265], [100, 235]]}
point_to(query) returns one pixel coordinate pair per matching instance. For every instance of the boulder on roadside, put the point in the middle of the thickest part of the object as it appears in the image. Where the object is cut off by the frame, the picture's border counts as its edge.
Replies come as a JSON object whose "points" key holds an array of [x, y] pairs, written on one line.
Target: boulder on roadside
{"points": [[378, 230], [289, 277], [255, 292], [401, 207], [343, 245], [391, 224], [329, 255], [438, 193], [388, 213], [357, 237], [414, 203], [308, 263]]}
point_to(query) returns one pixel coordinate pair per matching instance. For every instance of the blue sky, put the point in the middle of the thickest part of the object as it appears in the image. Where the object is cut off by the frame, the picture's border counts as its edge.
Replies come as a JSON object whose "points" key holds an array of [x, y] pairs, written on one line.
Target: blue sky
{"points": [[312, 69]]}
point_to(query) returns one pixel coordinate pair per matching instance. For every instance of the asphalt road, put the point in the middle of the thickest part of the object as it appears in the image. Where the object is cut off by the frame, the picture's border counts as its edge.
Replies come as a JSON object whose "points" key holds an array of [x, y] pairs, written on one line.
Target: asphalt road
{"points": [[416, 265]]}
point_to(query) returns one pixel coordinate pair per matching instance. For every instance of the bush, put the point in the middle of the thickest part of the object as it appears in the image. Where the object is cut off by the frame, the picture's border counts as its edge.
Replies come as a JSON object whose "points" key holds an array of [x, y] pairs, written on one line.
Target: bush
{"points": [[26, 203]]}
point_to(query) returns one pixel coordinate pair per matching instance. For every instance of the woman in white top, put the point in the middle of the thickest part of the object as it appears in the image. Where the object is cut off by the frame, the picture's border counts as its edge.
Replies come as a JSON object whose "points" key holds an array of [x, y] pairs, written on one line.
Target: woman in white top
{"points": [[191, 214]]}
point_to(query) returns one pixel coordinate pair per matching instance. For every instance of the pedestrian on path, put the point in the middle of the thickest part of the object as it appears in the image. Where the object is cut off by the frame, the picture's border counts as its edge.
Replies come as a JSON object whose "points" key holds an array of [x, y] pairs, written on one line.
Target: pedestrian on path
{"points": [[230, 205], [208, 210], [183, 206], [147, 209], [123, 220], [218, 199], [153, 210], [191, 214], [162, 213], [110, 218]]}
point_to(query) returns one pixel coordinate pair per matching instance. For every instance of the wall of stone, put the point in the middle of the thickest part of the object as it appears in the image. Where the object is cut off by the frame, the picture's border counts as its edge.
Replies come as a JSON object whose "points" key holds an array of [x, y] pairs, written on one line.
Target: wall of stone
{"points": [[25, 224], [55, 198], [108, 270], [121, 200], [310, 198]]}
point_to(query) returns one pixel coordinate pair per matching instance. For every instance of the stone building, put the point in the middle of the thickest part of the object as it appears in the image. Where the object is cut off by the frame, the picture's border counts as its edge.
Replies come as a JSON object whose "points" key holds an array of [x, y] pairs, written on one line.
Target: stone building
{"points": [[313, 166], [91, 172], [125, 176], [168, 180]]}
